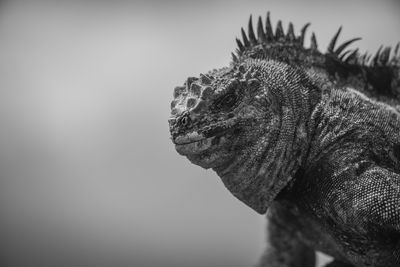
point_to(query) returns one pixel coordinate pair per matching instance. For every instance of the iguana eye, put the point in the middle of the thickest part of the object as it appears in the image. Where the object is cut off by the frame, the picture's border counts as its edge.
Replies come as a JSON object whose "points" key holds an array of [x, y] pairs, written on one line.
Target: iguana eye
{"points": [[227, 101]]}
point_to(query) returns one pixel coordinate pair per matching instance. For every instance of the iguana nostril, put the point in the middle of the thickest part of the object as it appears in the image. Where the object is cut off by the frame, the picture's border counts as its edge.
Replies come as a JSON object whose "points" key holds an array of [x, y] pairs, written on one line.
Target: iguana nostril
{"points": [[185, 121]]}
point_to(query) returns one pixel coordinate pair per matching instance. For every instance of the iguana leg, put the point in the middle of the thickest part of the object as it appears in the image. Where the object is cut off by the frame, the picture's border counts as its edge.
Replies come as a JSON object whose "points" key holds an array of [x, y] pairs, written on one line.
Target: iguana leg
{"points": [[336, 263], [284, 249]]}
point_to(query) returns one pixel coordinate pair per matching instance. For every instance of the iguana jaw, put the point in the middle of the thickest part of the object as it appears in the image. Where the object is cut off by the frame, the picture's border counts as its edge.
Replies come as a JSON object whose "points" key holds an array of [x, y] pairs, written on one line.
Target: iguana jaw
{"points": [[207, 132], [189, 138], [208, 146], [193, 145], [202, 149], [196, 141]]}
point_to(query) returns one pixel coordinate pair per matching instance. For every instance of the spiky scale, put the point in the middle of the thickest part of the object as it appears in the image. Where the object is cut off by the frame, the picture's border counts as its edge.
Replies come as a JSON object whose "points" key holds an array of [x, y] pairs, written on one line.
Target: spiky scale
{"points": [[262, 38], [252, 37], [303, 33], [352, 58], [268, 29], [278, 48], [234, 57], [368, 58], [290, 33], [375, 59], [363, 58], [314, 44], [332, 44], [279, 34], [240, 45], [238, 53], [384, 57], [244, 38], [344, 45], [343, 55], [396, 49]]}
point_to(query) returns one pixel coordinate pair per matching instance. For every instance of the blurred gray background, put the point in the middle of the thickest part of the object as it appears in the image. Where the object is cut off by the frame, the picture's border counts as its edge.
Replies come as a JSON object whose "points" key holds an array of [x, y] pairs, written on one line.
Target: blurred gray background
{"points": [[88, 175]]}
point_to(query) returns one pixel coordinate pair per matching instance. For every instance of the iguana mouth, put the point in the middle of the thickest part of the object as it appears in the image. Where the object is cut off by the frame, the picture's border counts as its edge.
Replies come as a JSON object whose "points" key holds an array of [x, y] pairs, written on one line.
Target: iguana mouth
{"points": [[194, 147], [195, 137], [189, 138], [206, 132], [194, 142]]}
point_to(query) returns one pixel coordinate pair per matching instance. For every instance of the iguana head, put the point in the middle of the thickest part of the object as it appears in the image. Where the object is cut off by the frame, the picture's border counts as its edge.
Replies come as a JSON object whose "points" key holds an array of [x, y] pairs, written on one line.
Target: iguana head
{"points": [[216, 114], [250, 121]]}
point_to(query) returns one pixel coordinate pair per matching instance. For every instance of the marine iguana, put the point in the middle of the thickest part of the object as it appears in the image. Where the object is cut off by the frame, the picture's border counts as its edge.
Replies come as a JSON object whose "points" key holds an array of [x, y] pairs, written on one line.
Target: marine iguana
{"points": [[314, 138]]}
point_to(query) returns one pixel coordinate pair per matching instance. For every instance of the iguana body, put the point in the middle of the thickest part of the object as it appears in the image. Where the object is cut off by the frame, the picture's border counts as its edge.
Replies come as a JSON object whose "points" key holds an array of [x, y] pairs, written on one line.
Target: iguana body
{"points": [[313, 138]]}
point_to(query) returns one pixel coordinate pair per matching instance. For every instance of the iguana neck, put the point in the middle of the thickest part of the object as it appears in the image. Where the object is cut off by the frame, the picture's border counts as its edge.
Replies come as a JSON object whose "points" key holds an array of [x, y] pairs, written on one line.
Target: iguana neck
{"points": [[260, 171]]}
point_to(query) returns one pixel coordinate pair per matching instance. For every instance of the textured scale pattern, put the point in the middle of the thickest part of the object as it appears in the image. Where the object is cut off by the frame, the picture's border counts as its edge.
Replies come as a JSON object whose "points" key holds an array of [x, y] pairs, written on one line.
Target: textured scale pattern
{"points": [[311, 139]]}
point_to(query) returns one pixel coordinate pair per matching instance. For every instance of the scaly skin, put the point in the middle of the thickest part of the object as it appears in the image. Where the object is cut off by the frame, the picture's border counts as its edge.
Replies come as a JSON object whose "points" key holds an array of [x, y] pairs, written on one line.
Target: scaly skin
{"points": [[313, 138]]}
